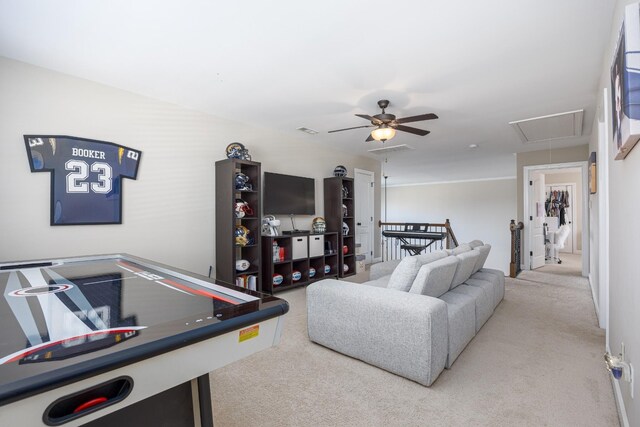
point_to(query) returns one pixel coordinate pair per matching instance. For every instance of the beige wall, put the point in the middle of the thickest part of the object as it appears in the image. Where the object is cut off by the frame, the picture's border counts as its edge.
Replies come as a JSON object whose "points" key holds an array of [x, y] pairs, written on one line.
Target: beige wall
{"points": [[571, 178], [545, 157], [477, 210], [168, 212]]}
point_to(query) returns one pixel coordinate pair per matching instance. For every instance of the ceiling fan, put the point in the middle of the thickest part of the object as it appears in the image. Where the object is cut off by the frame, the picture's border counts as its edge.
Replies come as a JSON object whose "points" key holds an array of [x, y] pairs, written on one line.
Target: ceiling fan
{"points": [[386, 124]]}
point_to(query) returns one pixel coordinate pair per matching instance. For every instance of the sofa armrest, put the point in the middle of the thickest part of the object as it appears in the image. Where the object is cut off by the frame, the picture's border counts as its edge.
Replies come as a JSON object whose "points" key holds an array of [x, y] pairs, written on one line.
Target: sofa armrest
{"points": [[397, 331], [381, 269]]}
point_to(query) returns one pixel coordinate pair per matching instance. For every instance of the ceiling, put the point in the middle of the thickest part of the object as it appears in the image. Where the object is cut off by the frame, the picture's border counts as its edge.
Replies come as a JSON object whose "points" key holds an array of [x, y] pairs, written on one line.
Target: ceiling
{"points": [[287, 64]]}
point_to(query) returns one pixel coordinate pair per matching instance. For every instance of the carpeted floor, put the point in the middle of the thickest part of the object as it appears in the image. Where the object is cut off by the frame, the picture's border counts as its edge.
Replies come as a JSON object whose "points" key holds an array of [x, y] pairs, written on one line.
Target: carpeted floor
{"points": [[537, 362]]}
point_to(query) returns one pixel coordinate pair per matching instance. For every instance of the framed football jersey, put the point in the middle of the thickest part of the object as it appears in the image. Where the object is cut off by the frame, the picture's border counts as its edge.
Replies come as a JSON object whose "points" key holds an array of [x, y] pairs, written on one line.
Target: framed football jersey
{"points": [[86, 176]]}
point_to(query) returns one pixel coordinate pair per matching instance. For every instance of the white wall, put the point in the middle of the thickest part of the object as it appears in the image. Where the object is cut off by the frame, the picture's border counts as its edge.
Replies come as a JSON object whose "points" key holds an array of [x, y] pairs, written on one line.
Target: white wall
{"points": [[477, 210], [168, 212], [623, 234]]}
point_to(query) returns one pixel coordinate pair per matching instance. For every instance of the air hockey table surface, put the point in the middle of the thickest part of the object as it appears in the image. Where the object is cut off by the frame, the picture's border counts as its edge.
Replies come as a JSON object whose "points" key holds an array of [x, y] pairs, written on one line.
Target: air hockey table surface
{"points": [[117, 339]]}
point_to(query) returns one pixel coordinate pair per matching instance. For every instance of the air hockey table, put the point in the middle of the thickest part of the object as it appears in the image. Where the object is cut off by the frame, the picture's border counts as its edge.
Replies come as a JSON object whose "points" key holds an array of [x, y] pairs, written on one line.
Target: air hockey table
{"points": [[116, 340]]}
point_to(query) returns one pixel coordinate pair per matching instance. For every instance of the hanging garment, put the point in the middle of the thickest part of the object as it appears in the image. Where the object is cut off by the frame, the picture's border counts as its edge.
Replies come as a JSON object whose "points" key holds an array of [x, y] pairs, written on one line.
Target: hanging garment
{"points": [[562, 214]]}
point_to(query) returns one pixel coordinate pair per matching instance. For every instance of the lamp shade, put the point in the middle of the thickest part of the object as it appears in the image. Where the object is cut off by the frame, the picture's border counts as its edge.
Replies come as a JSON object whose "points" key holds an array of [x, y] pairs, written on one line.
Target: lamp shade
{"points": [[383, 133]]}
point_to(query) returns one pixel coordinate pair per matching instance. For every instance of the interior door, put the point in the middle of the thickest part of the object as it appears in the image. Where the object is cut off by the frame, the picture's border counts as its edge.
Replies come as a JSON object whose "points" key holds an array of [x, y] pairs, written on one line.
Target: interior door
{"points": [[363, 182], [536, 219]]}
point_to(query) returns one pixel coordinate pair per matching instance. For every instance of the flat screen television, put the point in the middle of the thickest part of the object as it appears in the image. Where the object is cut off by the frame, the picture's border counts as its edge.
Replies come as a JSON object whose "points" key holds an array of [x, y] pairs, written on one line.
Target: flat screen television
{"points": [[289, 195]]}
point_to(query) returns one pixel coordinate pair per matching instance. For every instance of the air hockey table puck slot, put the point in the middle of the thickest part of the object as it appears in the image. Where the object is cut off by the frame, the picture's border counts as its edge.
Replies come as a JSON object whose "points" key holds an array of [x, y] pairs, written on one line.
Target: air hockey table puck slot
{"points": [[84, 402]]}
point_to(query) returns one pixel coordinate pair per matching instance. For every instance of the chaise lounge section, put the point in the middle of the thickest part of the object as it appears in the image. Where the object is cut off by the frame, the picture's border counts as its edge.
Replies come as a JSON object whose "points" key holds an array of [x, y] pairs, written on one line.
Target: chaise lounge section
{"points": [[414, 317]]}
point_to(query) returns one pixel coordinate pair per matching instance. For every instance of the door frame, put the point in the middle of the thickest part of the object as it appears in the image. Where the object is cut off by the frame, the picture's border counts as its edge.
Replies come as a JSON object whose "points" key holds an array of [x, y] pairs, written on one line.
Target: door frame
{"points": [[526, 172], [370, 208]]}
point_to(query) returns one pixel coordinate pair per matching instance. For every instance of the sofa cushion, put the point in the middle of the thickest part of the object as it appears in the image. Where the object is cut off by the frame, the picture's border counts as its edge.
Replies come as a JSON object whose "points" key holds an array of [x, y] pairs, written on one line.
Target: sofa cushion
{"points": [[499, 275], [404, 274], [483, 301], [484, 253], [460, 249], [381, 282], [467, 262], [434, 279], [475, 243], [381, 269], [461, 314], [431, 256], [490, 288]]}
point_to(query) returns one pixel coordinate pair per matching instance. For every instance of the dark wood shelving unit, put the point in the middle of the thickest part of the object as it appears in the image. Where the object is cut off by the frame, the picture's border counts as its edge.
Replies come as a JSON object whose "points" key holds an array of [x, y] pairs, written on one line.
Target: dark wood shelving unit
{"points": [[335, 201], [227, 252], [287, 266]]}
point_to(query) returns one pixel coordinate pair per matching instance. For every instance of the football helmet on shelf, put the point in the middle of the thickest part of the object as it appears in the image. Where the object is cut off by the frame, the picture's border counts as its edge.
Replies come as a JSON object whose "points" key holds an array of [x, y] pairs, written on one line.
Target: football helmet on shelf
{"points": [[319, 225], [236, 150], [242, 235], [242, 182], [345, 229], [340, 171], [242, 208]]}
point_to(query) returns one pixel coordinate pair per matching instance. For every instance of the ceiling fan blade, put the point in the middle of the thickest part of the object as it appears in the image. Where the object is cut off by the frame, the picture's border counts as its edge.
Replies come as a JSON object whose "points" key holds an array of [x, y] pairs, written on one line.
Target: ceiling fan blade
{"points": [[356, 127], [371, 119], [419, 118], [370, 138], [414, 131]]}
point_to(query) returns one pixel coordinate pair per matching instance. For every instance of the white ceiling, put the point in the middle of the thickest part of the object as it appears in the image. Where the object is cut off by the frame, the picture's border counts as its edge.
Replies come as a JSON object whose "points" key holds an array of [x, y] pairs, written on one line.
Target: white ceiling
{"points": [[285, 64]]}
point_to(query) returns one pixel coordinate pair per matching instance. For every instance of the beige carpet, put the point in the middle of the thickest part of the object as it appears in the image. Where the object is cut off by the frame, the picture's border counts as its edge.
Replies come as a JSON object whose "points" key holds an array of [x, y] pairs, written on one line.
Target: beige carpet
{"points": [[536, 362]]}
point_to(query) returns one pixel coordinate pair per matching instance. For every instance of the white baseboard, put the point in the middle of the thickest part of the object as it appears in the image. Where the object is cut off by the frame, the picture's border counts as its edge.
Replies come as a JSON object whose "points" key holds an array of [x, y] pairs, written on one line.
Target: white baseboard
{"points": [[617, 394]]}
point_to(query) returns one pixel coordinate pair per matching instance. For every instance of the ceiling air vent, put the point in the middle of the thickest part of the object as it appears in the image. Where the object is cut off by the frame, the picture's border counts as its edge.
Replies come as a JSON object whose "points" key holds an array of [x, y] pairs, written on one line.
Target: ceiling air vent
{"points": [[548, 128], [307, 130], [391, 149]]}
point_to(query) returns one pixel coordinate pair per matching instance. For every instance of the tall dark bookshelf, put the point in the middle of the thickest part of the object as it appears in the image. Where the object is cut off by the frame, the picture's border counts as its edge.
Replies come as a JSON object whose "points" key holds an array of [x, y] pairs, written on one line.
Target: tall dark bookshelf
{"points": [[339, 207], [227, 252]]}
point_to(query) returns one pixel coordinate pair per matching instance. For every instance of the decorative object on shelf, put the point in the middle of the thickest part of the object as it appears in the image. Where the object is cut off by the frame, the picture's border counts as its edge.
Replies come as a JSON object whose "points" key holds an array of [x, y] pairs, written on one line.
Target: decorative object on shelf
{"points": [[242, 265], [319, 225], [270, 225], [327, 269], [312, 272], [345, 211], [242, 209], [340, 171], [242, 182], [277, 279], [345, 229], [236, 150], [624, 94], [296, 275], [242, 235], [345, 267], [345, 249], [345, 192], [86, 177], [386, 124]]}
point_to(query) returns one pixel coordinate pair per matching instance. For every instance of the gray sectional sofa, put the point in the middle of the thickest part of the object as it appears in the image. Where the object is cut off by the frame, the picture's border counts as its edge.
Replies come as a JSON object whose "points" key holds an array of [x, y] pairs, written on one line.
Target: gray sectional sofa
{"points": [[414, 317]]}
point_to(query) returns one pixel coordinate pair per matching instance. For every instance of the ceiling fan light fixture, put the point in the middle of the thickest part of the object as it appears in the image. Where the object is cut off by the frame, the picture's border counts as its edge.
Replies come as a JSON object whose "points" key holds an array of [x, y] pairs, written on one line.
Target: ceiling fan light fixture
{"points": [[383, 133]]}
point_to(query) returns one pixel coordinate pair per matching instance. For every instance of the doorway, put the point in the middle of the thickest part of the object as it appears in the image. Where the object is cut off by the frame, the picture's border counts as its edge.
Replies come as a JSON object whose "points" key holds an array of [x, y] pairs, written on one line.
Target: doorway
{"points": [[364, 194], [563, 202]]}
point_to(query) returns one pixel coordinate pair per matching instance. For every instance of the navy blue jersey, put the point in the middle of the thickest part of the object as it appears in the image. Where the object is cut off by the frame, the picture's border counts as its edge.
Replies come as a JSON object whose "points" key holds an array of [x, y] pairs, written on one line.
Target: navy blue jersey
{"points": [[86, 177]]}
